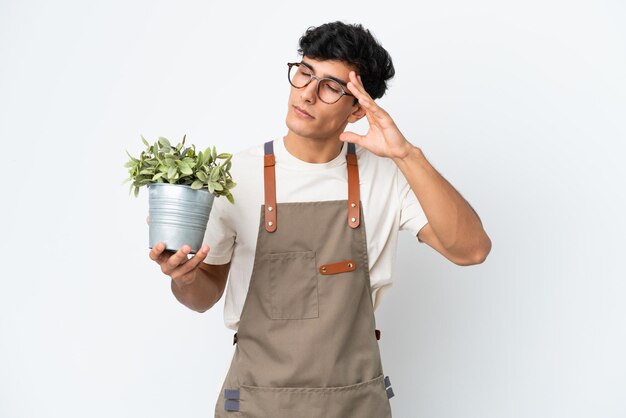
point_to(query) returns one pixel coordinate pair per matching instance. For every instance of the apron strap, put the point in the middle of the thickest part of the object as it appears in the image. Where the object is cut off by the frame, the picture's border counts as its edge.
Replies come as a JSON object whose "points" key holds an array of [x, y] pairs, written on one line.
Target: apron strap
{"points": [[354, 191], [269, 174], [269, 177]]}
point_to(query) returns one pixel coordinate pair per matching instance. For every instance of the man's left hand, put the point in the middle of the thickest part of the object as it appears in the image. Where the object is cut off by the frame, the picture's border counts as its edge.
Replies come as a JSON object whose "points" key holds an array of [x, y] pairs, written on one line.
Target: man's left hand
{"points": [[383, 137]]}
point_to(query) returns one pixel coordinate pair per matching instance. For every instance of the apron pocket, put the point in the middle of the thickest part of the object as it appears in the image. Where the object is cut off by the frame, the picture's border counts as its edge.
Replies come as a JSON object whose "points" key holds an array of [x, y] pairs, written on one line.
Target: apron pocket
{"points": [[363, 400], [293, 285]]}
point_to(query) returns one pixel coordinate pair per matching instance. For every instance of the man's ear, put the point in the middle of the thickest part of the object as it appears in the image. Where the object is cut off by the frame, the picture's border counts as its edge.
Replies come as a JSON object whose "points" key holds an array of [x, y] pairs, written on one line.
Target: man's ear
{"points": [[357, 113]]}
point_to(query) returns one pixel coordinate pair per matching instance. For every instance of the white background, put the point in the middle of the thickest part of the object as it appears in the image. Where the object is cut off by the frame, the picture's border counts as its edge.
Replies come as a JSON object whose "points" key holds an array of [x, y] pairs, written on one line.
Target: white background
{"points": [[520, 105]]}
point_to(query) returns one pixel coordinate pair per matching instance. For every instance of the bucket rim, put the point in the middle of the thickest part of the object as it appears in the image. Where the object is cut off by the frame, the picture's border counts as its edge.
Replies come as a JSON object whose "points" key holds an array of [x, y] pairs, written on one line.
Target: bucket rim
{"points": [[179, 185]]}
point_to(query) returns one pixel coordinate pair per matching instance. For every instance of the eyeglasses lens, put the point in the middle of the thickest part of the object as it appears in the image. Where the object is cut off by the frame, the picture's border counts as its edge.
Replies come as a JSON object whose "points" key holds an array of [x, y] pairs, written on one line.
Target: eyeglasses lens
{"points": [[329, 91]]}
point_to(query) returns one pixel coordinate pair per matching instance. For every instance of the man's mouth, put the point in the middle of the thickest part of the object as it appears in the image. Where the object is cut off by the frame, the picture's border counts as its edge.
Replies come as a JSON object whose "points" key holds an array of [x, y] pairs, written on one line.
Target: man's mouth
{"points": [[303, 112]]}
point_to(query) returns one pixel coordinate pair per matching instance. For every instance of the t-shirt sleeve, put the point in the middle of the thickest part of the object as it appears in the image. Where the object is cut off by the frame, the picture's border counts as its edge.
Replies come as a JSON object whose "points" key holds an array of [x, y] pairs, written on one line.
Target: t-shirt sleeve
{"points": [[412, 216], [220, 232]]}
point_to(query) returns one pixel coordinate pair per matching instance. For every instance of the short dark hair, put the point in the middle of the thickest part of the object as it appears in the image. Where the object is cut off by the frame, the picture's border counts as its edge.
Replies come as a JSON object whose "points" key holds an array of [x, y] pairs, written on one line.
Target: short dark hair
{"points": [[354, 45]]}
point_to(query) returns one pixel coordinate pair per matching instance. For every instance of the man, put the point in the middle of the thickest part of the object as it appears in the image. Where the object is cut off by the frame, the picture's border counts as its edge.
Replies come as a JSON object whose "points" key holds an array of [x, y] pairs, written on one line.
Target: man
{"points": [[305, 276]]}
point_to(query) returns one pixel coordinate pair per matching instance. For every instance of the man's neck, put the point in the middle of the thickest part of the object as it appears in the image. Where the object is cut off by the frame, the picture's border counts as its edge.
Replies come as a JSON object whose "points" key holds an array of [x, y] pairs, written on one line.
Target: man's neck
{"points": [[312, 151]]}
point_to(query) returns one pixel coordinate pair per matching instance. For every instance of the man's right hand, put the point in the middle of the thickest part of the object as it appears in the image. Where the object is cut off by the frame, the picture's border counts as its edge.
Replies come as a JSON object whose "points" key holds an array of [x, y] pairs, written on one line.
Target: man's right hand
{"points": [[176, 264]]}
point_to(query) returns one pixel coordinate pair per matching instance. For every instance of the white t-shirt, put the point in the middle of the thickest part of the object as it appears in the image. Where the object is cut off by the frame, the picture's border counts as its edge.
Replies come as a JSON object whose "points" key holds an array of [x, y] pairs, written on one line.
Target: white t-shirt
{"points": [[389, 205]]}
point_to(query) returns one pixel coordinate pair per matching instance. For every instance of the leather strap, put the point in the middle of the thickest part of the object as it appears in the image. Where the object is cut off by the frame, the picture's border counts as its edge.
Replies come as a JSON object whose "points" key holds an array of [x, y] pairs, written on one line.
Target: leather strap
{"points": [[340, 267], [269, 174], [354, 191]]}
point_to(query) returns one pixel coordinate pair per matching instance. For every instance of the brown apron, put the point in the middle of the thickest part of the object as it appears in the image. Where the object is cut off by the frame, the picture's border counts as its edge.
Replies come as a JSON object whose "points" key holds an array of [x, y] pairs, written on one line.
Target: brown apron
{"points": [[307, 340]]}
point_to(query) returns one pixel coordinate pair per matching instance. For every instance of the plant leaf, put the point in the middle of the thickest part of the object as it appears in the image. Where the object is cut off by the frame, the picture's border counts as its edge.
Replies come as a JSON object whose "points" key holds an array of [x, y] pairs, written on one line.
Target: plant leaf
{"points": [[207, 156], [202, 176], [164, 142], [185, 169]]}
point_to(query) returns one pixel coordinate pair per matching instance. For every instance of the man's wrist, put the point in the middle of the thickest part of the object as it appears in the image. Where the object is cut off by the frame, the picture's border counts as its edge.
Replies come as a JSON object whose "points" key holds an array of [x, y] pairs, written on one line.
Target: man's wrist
{"points": [[413, 153], [185, 287]]}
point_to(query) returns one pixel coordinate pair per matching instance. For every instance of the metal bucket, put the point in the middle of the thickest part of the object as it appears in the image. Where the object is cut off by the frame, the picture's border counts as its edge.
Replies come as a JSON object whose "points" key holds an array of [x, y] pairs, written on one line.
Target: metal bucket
{"points": [[178, 215]]}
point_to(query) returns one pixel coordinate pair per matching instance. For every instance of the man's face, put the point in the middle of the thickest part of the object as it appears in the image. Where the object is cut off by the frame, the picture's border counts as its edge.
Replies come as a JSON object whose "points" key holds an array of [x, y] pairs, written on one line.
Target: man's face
{"points": [[326, 120]]}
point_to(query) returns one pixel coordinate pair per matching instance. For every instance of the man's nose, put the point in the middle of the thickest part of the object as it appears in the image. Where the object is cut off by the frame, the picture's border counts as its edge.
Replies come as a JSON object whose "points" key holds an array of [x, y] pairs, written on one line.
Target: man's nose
{"points": [[309, 92]]}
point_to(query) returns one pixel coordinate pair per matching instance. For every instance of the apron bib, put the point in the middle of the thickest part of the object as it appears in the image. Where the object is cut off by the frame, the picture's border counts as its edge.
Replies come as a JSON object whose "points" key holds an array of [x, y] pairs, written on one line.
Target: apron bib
{"points": [[306, 346]]}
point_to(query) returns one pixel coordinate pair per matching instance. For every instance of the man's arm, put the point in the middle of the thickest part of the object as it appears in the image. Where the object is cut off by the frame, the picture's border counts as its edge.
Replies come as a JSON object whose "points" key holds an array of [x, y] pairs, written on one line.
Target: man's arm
{"points": [[206, 289], [454, 228]]}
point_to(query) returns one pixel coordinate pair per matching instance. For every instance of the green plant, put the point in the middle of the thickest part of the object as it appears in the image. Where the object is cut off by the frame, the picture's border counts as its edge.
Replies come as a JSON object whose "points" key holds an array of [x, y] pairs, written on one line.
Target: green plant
{"points": [[161, 162]]}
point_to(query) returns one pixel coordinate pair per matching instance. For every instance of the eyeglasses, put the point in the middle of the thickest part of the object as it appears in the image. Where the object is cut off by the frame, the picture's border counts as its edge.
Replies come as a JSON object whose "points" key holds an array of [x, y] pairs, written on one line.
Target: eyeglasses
{"points": [[328, 90]]}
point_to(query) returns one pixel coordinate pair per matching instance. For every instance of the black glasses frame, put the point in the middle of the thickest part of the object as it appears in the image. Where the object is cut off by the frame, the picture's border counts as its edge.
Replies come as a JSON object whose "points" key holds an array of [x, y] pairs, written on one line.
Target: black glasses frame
{"points": [[319, 80]]}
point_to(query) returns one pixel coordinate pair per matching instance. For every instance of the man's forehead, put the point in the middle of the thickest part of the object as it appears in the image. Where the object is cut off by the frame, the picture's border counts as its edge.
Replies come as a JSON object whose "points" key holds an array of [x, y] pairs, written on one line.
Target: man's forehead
{"points": [[330, 68]]}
